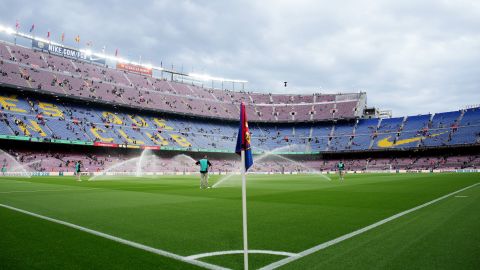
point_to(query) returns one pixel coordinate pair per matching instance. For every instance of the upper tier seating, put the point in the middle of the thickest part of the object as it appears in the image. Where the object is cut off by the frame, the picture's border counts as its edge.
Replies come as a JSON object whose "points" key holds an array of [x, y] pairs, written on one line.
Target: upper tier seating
{"points": [[26, 68]]}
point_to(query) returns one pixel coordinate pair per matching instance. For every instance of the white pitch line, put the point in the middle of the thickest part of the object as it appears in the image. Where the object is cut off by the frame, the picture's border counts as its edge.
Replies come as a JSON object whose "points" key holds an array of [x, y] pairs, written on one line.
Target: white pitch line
{"points": [[44, 190], [228, 252], [120, 240], [461, 196], [357, 232]]}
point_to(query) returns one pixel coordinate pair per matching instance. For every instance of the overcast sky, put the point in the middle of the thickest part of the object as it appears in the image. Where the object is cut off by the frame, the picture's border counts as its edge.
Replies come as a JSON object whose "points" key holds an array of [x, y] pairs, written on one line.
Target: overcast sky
{"points": [[409, 56]]}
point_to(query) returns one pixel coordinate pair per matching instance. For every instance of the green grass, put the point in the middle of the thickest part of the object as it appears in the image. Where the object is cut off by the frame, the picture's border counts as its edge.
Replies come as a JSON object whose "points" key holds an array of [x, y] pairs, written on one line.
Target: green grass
{"points": [[285, 213]]}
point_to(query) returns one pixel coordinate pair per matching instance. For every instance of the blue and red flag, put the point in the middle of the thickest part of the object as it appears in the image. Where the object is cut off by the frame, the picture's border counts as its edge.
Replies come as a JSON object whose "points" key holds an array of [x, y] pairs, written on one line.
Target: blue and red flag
{"points": [[243, 139], [32, 28]]}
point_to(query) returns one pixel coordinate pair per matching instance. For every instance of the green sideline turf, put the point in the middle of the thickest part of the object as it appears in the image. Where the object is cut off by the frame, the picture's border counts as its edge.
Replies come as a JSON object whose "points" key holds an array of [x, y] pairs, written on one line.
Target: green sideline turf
{"points": [[30, 243], [285, 213]]}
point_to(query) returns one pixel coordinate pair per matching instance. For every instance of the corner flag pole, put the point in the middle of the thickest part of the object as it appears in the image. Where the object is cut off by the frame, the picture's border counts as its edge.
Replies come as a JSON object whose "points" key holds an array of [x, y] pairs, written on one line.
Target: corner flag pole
{"points": [[244, 210]]}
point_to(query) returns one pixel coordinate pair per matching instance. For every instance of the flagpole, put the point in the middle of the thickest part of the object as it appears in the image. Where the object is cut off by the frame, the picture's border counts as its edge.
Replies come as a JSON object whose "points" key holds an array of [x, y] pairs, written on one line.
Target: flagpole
{"points": [[244, 210]]}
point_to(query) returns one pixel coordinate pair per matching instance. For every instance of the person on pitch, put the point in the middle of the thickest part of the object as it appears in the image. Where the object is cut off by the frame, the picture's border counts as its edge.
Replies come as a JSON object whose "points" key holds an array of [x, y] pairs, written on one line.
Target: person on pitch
{"points": [[78, 166], [341, 169], [204, 166]]}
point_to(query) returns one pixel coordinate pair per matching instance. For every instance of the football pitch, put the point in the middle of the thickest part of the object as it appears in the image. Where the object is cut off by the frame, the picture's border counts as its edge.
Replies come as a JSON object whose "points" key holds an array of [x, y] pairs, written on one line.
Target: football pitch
{"points": [[369, 221]]}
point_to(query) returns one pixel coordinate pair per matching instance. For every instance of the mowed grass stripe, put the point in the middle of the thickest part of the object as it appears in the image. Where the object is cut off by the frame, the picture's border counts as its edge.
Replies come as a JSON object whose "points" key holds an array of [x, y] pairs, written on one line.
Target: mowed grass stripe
{"points": [[28, 242], [46, 190], [286, 212], [171, 221], [441, 236], [360, 231], [322, 214], [119, 240]]}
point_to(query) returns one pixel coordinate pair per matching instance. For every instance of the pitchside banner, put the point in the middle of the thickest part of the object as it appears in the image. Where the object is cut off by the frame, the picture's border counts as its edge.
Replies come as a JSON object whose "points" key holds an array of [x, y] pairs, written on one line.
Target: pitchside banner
{"points": [[135, 69], [66, 52]]}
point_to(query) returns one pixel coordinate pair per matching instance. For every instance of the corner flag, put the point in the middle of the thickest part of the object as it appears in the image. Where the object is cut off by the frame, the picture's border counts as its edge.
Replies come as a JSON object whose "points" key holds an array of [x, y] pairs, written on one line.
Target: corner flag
{"points": [[243, 148], [243, 139]]}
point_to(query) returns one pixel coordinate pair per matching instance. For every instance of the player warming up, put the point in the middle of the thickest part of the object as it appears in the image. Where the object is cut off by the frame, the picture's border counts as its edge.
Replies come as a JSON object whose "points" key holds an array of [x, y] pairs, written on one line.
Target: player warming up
{"points": [[78, 166], [341, 170], [204, 166]]}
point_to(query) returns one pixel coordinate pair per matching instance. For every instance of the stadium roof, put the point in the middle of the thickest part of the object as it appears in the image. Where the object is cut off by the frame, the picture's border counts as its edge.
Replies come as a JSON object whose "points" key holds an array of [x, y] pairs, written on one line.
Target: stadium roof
{"points": [[202, 77]]}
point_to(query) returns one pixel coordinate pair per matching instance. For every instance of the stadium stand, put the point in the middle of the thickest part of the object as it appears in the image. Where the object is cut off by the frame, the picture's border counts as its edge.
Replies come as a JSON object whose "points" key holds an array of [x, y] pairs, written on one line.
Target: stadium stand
{"points": [[412, 130], [387, 132], [26, 68], [95, 161], [50, 99], [364, 132], [45, 119], [442, 124]]}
